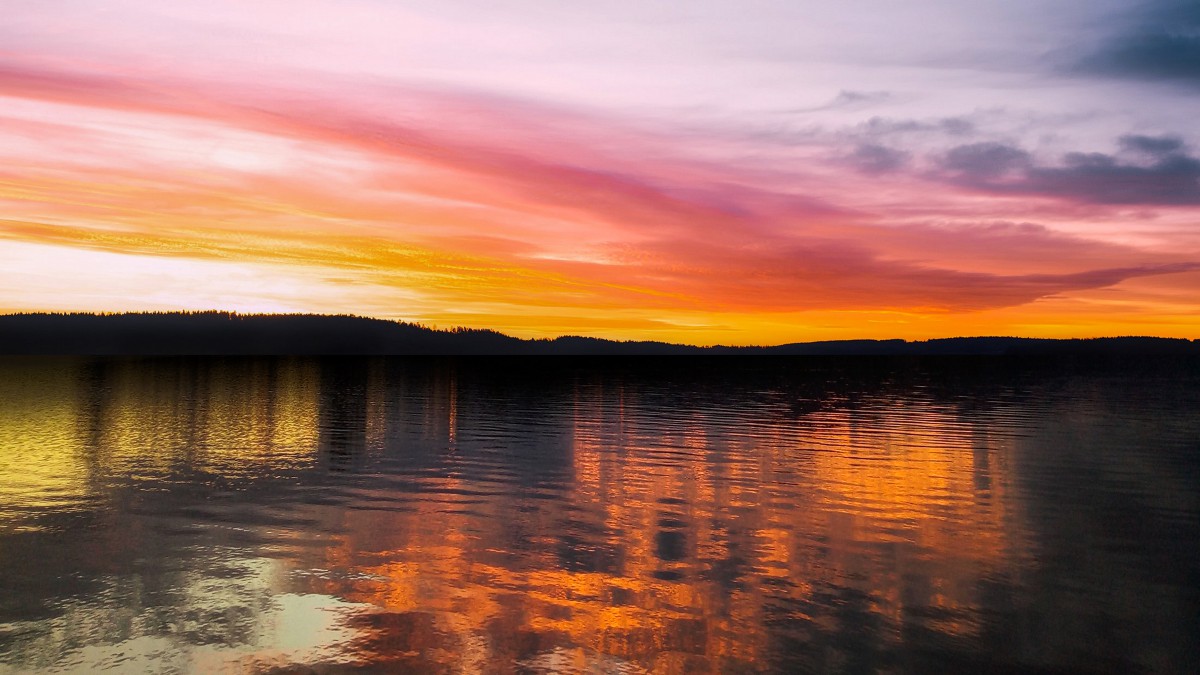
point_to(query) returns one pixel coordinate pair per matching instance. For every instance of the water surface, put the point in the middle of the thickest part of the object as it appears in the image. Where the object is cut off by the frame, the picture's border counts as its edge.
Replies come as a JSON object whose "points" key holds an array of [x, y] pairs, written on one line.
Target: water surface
{"points": [[607, 516]]}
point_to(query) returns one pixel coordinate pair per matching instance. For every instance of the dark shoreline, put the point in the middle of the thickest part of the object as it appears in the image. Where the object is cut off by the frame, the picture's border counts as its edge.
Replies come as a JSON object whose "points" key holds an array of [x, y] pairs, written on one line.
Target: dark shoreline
{"points": [[226, 334]]}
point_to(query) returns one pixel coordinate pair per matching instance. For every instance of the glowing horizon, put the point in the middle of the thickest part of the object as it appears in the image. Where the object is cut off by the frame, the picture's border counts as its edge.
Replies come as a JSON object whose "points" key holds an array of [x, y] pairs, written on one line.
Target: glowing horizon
{"points": [[632, 172]]}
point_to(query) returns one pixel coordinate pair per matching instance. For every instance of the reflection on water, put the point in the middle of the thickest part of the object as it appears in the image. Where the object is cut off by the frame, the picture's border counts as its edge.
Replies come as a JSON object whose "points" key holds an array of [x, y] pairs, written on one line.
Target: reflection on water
{"points": [[291, 515]]}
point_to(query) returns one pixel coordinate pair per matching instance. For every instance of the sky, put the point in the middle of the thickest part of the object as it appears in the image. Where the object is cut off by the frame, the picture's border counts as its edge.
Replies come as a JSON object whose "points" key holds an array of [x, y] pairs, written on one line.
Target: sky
{"points": [[704, 172]]}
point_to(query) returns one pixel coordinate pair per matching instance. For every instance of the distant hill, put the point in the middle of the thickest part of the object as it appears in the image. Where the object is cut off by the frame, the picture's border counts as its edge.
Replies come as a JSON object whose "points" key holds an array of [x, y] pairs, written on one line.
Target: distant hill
{"points": [[222, 333]]}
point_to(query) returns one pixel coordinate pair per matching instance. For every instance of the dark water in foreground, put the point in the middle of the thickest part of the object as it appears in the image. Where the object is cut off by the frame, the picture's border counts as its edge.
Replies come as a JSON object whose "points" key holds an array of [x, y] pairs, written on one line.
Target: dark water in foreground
{"points": [[391, 515]]}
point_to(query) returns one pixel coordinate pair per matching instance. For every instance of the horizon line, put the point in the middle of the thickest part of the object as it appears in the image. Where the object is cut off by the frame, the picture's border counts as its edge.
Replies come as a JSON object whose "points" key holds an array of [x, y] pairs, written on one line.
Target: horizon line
{"points": [[462, 329]]}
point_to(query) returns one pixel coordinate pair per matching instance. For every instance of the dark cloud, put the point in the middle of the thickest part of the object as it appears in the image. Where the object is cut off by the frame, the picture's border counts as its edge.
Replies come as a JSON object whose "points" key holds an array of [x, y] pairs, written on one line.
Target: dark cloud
{"points": [[1099, 178], [954, 126], [1152, 145], [1170, 177], [1159, 42], [977, 161], [871, 158]]}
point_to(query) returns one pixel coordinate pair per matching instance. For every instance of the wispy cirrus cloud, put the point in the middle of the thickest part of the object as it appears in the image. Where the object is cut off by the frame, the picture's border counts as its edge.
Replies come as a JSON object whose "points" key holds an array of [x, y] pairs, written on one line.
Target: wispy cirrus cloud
{"points": [[635, 224]]}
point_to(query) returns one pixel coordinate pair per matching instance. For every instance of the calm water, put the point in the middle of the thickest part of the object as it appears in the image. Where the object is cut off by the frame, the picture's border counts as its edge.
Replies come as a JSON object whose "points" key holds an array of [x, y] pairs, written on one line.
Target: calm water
{"points": [[391, 515]]}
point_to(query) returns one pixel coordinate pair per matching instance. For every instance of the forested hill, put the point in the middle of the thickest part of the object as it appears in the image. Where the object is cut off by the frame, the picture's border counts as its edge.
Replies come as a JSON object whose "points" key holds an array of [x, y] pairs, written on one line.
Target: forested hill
{"points": [[221, 333]]}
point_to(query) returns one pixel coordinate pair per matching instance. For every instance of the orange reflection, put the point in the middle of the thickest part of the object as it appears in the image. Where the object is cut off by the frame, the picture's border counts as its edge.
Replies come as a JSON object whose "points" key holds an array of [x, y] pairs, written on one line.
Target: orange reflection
{"points": [[604, 526], [679, 540]]}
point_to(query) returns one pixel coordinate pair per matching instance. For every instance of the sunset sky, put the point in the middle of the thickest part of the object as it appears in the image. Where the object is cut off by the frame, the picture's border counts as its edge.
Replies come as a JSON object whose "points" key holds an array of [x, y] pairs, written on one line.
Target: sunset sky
{"points": [[705, 172]]}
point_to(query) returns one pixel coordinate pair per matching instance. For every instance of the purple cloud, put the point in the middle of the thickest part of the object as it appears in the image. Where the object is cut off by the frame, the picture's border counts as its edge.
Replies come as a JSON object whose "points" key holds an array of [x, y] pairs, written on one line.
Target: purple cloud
{"points": [[1170, 178]]}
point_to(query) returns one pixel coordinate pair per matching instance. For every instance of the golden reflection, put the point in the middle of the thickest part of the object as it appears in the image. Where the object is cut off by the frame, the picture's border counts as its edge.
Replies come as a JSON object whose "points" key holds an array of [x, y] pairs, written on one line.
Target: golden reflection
{"points": [[68, 427], [236, 418], [42, 463], [614, 532]]}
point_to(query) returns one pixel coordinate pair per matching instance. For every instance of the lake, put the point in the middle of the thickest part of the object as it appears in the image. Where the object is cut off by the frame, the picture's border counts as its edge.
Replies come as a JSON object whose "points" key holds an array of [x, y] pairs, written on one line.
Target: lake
{"points": [[688, 515]]}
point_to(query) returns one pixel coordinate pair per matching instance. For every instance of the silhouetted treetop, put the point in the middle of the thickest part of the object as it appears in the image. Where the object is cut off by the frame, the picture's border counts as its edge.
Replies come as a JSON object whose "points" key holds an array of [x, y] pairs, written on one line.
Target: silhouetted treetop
{"points": [[228, 333]]}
